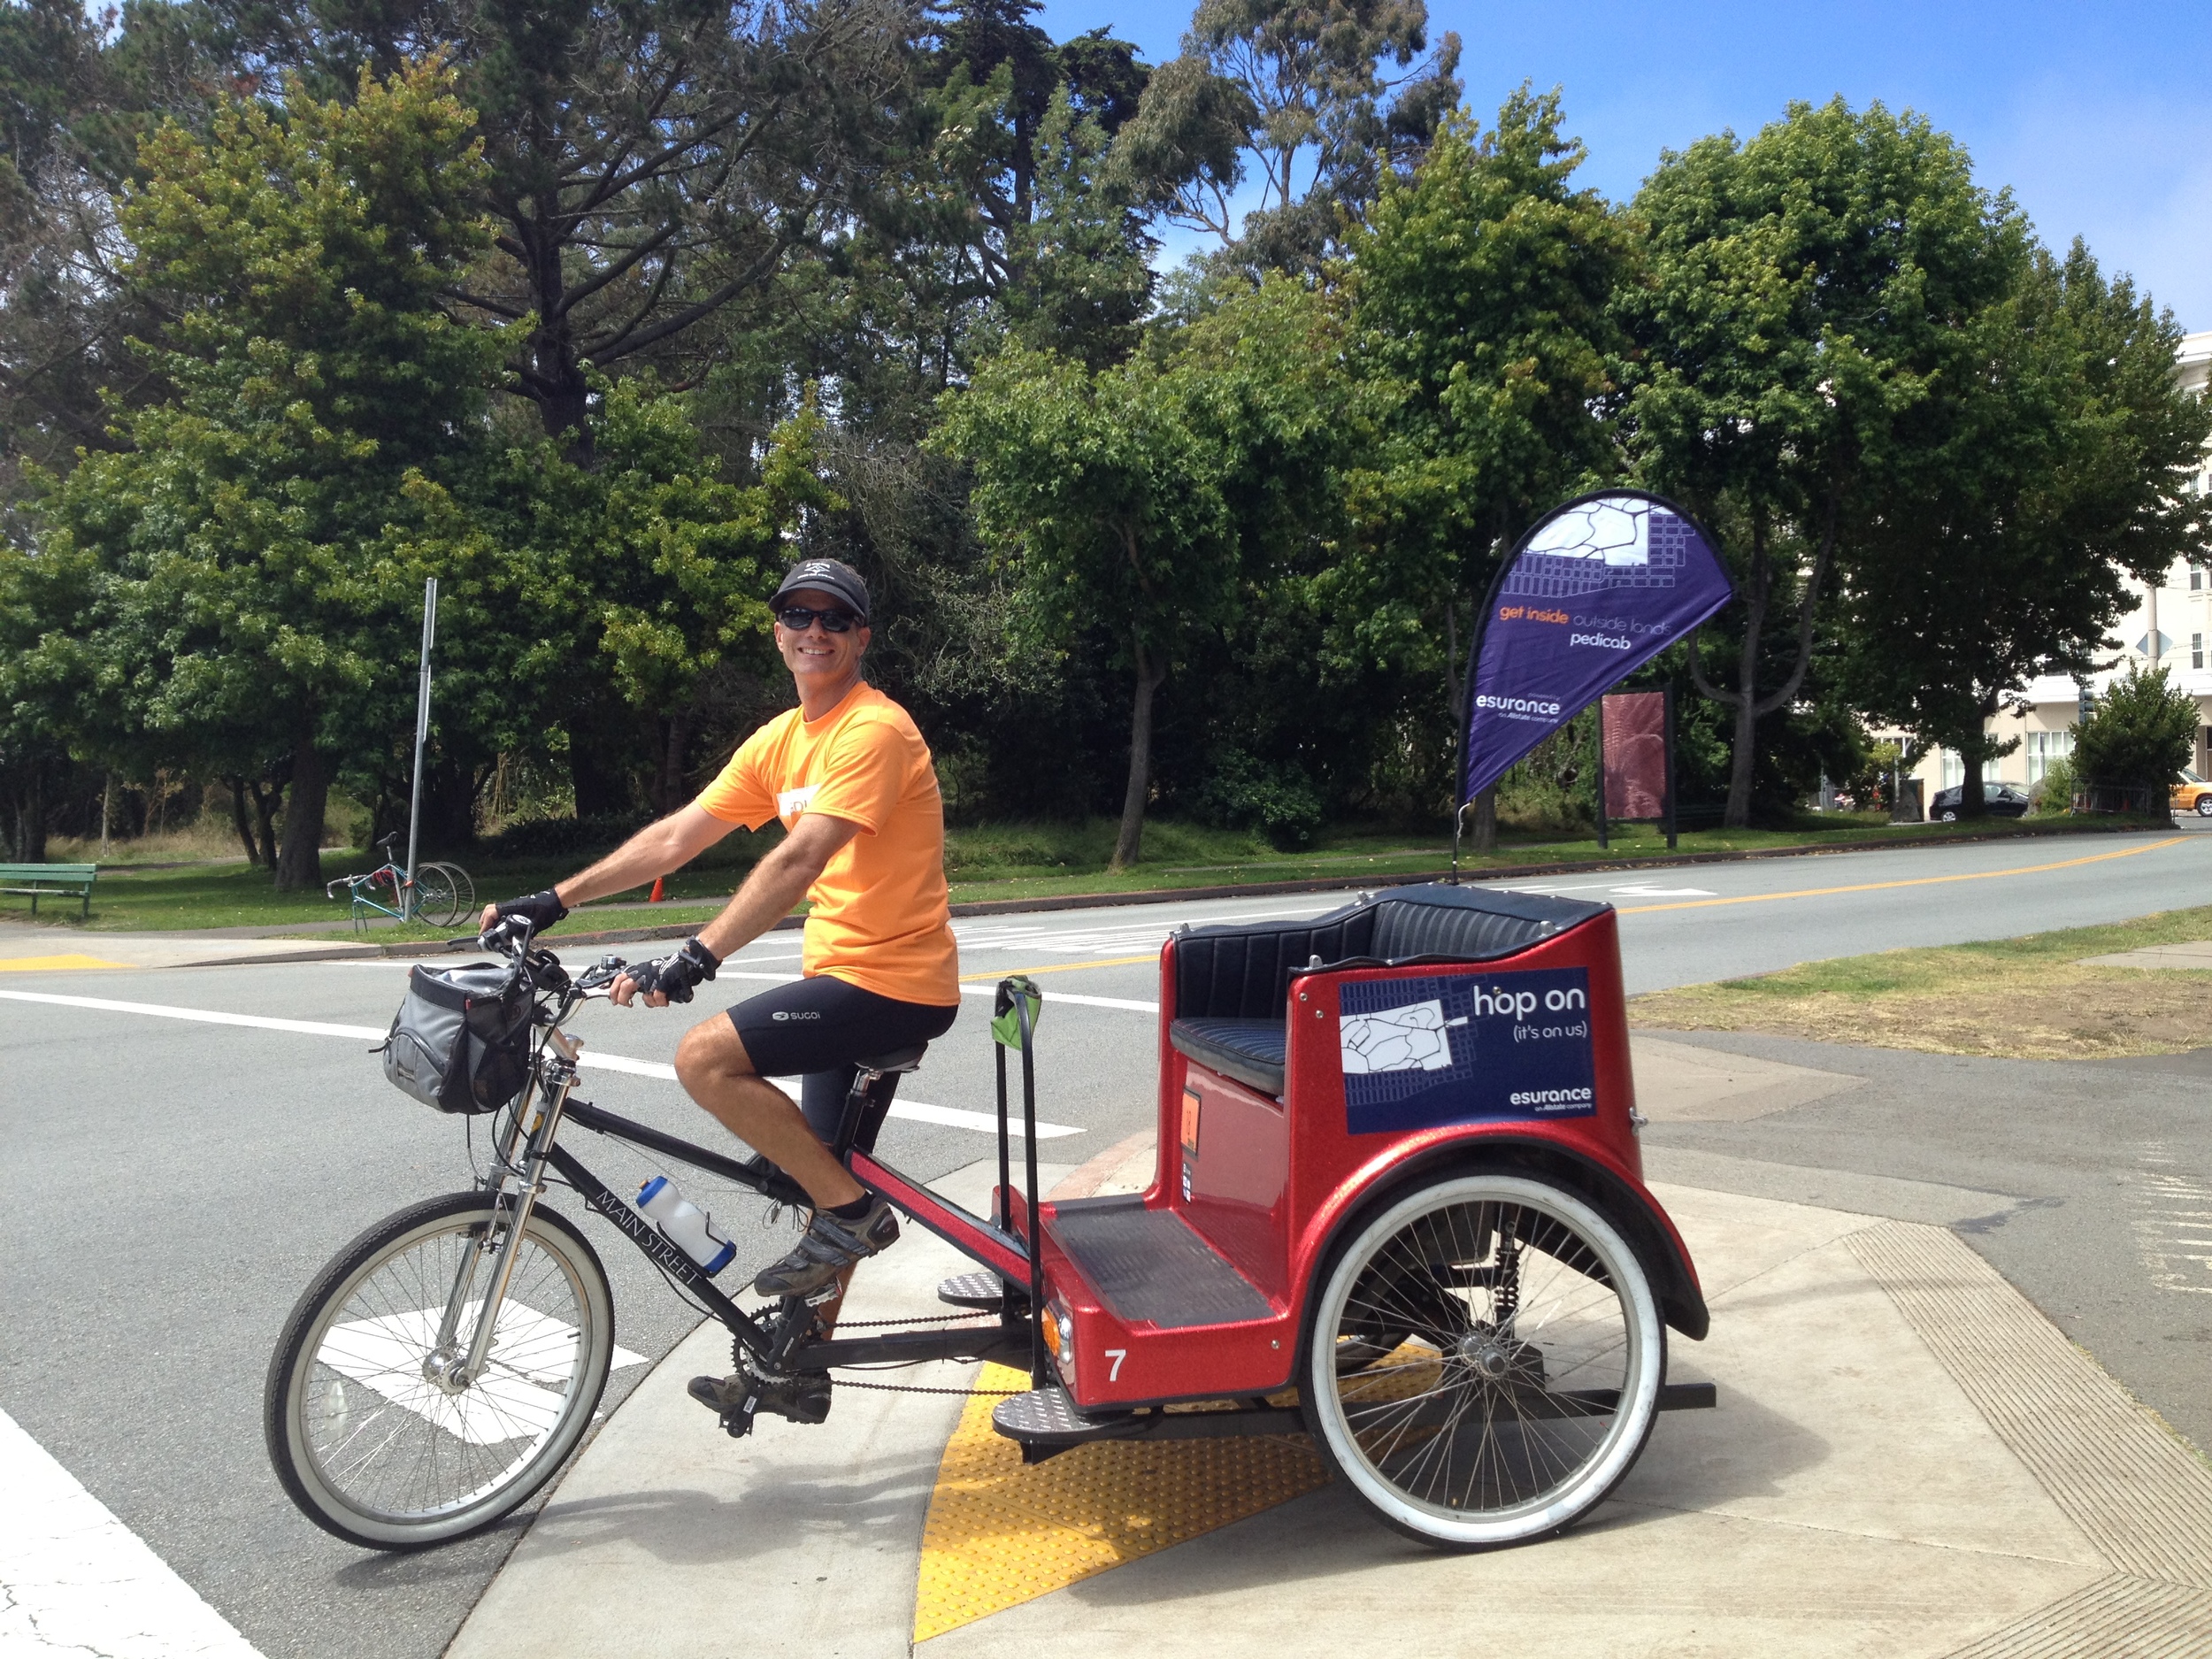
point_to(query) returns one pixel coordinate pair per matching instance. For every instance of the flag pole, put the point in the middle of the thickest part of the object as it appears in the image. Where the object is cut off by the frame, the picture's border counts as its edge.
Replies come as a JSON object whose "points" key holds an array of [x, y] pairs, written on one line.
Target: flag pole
{"points": [[422, 732]]}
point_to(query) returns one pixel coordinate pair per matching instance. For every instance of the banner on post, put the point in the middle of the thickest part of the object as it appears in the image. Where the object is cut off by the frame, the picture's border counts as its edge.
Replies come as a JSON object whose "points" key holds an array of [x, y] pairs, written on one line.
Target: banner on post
{"points": [[1594, 590], [1635, 754]]}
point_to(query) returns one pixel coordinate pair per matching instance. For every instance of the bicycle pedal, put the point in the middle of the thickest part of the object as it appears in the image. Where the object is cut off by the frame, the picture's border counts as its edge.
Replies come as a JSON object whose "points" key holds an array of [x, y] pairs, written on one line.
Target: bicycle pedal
{"points": [[984, 1292]]}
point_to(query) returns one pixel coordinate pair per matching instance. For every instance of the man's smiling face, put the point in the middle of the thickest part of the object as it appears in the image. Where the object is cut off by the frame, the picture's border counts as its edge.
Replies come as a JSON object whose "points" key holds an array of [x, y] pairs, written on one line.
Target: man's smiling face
{"points": [[817, 658]]}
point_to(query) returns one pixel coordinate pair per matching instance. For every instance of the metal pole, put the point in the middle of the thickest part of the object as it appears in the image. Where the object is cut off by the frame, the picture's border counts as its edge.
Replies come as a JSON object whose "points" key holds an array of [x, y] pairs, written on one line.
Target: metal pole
{"points": [[422, 733], [1669, 758]]}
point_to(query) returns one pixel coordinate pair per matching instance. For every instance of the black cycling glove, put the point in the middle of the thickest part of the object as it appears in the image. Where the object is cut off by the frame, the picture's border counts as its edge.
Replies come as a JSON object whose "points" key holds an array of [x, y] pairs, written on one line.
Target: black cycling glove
{"points": [[673, 976], [540, 910]]}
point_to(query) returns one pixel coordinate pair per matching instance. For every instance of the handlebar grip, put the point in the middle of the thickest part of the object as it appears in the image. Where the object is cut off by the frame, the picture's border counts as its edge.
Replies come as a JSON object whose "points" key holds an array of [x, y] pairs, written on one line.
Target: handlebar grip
{"points": [[508, 929]]}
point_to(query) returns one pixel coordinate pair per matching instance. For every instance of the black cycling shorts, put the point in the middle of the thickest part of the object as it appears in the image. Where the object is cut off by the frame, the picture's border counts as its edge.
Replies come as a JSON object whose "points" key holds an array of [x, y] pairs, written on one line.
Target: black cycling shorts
{"points": [[817, 1028]]}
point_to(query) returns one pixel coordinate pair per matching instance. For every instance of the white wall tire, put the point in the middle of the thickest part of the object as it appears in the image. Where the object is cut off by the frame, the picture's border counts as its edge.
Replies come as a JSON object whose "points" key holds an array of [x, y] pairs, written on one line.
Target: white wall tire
{"points": [[366, 1447], [1488, 1423]]}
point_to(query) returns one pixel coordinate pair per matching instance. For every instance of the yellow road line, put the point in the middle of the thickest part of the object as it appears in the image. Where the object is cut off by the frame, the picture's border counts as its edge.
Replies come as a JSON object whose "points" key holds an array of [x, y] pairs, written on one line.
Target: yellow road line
{"points": [[1915, 881], [1065, 967], [47, 964]]}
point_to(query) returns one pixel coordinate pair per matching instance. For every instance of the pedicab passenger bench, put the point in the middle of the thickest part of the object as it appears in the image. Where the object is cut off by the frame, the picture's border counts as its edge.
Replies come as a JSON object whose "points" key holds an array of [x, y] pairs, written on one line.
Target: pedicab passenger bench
{"points": [[1309, 1070]]}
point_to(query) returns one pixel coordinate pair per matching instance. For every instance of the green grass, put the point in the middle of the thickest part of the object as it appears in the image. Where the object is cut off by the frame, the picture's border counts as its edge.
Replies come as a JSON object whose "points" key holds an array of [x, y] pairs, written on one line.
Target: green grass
{"points": [[1006, 861], [2032, 997]]}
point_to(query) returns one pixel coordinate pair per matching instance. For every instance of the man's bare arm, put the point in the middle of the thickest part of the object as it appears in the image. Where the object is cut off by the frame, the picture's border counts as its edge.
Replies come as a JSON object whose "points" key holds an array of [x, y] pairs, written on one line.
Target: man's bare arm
{"points": [[777, 882]]}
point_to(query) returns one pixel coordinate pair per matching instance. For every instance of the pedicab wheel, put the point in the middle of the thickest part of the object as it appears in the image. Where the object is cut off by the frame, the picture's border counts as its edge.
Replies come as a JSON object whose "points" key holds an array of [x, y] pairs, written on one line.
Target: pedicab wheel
{"points": [[1527, 1377], [362, 1435]]}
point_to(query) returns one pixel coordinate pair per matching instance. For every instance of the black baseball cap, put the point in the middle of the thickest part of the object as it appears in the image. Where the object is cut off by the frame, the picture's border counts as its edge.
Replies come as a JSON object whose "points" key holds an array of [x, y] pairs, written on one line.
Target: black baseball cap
{"points": [[829, 576]]}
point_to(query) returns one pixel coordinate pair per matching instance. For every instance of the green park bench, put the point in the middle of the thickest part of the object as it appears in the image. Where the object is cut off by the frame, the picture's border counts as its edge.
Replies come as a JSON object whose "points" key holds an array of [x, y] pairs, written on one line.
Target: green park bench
{"points": [[45, 881]]}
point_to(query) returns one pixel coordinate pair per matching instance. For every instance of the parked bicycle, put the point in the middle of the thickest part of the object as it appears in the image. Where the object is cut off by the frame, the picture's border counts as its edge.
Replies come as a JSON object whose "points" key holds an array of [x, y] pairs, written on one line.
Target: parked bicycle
{"points": [[439, 896]]}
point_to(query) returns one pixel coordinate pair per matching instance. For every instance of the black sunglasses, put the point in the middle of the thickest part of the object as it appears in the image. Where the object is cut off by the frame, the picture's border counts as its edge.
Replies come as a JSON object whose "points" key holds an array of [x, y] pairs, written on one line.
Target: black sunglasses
{"points": [[799, 619]]}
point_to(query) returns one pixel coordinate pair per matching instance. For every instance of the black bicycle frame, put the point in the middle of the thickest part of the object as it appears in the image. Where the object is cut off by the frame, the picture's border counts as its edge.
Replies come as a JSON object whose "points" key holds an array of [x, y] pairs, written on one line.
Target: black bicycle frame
{"points": [[989, 1246]]}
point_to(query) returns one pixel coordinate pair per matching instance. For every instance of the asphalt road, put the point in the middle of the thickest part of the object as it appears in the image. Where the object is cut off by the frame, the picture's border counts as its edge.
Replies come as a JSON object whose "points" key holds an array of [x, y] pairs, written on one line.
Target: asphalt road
{"points": [[170, 1184]]}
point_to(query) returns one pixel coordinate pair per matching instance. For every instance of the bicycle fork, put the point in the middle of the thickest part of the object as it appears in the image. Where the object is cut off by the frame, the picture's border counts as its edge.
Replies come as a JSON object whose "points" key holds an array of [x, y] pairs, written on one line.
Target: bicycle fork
{"points": [[522, 1162]]}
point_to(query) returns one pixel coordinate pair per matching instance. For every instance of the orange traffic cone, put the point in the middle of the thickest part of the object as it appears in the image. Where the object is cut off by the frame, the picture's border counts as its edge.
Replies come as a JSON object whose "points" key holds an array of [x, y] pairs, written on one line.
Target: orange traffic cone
{"points": [[656, 899]]}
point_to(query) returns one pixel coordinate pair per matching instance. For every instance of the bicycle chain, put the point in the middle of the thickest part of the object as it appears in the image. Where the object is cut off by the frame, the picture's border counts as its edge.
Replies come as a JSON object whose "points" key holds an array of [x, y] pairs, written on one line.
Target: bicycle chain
{"points": [[916, 1388], [910, 1388]]}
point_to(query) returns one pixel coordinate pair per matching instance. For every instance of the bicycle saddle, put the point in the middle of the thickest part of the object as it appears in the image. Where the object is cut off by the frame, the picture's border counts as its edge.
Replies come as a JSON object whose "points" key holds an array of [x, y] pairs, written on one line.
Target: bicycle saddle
{"points": [[906, 1059], [384, 845]]}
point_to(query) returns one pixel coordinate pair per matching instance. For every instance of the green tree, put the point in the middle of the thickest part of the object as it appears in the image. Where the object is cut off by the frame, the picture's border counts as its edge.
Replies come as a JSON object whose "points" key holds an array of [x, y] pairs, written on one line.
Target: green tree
{"points": [[647, 165], [1482, 294], [248, 588], [605, 598], [1807, 292], [1146, 500], [1106, 490], [2037, 486], [1297, 92], [2137, 736]]}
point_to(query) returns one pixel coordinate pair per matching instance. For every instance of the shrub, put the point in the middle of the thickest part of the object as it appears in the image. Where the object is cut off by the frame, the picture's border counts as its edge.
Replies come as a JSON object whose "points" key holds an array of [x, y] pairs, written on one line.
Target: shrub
{"points": [[2137, 736], [1278, 801], [2054, 792], [560, 837]]}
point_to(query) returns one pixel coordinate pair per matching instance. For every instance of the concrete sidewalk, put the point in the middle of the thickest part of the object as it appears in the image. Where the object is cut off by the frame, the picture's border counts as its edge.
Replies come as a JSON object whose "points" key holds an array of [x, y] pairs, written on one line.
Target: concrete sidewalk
{"points": [[1907, 1460], [25, 948]]}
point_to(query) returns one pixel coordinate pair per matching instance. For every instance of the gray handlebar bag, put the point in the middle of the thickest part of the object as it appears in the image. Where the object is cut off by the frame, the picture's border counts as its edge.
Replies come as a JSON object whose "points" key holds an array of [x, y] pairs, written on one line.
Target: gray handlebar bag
{"points": [[461, 1040]]}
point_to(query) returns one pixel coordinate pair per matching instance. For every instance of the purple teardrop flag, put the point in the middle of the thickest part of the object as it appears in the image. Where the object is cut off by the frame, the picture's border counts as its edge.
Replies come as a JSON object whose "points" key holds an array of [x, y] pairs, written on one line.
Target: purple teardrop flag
{"points": [[1594, 591]]}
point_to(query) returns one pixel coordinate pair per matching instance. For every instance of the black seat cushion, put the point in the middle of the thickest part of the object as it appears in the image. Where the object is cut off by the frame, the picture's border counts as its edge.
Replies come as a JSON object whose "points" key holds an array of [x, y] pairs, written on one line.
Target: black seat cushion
{"points": [[1244, 973], [1249, 1050]]}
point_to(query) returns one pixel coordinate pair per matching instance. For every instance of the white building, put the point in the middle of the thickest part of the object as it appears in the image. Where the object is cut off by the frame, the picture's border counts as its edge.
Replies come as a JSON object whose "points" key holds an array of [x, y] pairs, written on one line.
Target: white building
{"points": [[2172, 624]]}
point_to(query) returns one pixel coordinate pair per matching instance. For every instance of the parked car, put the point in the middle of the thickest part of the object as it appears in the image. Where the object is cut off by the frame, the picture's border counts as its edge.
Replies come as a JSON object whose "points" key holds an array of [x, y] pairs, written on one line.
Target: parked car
{"points": [[2002, 800], [2192, 793]]}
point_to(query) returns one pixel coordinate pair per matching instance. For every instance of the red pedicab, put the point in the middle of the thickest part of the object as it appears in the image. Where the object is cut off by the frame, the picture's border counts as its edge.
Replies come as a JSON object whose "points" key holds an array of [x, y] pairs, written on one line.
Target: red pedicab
{"points": [[1398, 1203]]}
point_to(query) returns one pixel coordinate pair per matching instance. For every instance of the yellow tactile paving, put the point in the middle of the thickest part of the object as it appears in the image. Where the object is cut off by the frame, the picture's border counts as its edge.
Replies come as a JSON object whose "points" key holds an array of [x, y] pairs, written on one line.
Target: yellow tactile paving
{"points": [[47, 964], [1000, 1533]]}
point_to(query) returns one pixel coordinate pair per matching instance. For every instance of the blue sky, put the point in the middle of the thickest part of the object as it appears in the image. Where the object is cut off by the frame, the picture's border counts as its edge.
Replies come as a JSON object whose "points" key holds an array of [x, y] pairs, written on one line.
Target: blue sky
{"points": [[2099, 116]]}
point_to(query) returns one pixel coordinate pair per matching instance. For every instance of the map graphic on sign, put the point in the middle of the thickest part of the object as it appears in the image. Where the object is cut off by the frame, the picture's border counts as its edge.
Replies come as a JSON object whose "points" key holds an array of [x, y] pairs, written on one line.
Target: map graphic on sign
{"points": [[1408, 1037], [1466, 1047], [1616, 541]]}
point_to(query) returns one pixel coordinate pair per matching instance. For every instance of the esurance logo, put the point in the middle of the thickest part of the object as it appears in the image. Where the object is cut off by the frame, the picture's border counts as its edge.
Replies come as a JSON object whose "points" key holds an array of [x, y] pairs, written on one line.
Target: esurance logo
{"points": [[1518, 705], [1551, 1096]]}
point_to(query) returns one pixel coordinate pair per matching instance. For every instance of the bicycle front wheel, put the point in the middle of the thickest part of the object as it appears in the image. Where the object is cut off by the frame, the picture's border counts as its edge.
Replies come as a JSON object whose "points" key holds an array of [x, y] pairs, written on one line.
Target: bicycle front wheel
{"points": [[460, 891], [365, 1437]]}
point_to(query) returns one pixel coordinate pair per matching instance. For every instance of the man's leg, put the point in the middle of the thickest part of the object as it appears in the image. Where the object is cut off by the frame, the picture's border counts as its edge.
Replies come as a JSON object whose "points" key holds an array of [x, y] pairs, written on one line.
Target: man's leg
{"points": [[713, 1065]]}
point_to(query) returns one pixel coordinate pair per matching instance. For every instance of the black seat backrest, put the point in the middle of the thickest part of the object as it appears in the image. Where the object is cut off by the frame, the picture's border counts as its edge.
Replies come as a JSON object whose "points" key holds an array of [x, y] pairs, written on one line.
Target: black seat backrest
{"points": [[1231, 972], [1404, 930], [1244, 973]]}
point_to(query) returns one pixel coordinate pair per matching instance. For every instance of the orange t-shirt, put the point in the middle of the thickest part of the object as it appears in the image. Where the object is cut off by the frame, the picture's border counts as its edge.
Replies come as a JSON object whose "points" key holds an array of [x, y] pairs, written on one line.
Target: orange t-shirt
{"points": [[882, 919]]}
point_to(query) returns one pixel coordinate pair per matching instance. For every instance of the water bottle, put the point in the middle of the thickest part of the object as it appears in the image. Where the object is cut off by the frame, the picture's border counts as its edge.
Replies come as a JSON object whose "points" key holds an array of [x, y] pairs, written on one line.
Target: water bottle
{"points": [[684, 1225]]}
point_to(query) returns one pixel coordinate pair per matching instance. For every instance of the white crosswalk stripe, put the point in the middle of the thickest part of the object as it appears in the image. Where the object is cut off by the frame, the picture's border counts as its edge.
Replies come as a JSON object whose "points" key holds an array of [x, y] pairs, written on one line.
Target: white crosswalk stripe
{"points": [[531, 1353], [918, 1111], [74, 1581]]}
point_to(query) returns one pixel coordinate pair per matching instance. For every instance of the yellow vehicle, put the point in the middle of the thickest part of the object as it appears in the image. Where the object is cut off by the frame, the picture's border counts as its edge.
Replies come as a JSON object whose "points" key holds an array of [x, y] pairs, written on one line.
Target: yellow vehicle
{"points": [[2192, 793]]}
